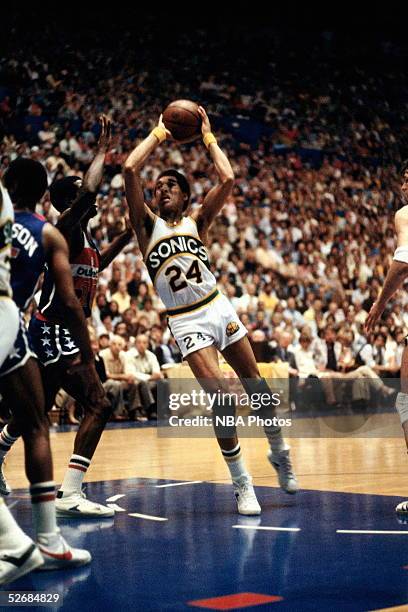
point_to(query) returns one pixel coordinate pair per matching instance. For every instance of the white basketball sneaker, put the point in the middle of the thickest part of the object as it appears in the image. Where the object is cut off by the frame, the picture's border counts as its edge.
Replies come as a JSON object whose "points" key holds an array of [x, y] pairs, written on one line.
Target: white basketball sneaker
{"points": [[58, 554], [282, 464], [245, 495], [5, 488], [76, 505], [16, 561], [402, 509]]}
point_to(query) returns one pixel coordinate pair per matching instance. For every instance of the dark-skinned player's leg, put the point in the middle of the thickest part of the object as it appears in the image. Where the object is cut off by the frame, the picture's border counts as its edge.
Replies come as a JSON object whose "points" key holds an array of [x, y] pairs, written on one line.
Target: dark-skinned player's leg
{"points": [[70, 499], [240, 357], [204, 365], [19, 555], [22, 390], [71, 502], [51, 383]]}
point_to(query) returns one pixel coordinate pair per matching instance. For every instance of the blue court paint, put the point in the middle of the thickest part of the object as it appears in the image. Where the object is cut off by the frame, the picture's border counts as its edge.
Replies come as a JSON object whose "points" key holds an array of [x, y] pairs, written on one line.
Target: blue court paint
{"points": [[197, 554]]}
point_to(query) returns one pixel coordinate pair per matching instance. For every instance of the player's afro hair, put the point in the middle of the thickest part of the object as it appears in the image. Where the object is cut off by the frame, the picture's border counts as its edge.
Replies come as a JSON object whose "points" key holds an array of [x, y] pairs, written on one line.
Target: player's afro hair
{"points": [[404, 166], [181, 180], [63, 192], [26, 181]]}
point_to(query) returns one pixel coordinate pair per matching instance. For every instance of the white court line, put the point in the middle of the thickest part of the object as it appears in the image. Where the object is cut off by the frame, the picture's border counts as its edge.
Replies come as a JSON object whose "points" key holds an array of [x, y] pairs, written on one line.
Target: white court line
{"points": [[116, 508], [148, 517], [265, 528], [179, 484], [14, 503], [373, 531], [115, 498]]}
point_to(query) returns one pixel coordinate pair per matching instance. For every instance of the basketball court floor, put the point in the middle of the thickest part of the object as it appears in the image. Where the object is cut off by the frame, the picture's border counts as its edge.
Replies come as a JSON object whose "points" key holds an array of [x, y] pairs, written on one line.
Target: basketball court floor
{"points": [[177, 543]]}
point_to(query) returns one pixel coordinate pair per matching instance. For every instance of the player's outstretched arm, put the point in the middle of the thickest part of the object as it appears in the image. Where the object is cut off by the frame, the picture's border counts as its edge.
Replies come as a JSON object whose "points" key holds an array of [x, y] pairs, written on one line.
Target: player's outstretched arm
{"points": [[115, 247], [93, 178], [215, 198], [398, 271], [140, 215], [56, 250]]}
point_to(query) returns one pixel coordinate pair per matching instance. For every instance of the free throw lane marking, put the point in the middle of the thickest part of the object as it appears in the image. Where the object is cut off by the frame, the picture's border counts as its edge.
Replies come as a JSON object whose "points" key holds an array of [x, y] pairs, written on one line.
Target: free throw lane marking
{"points": [[266, 528], [148, 517], [116, 508], [115, 498], [235, 601], [372, 531], [179, 484]]}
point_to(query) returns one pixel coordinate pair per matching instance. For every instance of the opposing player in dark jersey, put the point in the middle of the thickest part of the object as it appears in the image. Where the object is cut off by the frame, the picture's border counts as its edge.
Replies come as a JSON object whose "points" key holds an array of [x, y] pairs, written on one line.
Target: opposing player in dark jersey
{"points": [[50, 336], [34, 243]]}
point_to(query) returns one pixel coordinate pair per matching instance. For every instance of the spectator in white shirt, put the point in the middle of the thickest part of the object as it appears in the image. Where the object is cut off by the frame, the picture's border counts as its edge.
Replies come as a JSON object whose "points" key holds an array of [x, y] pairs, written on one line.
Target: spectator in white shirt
{"points": [[144, 366]]}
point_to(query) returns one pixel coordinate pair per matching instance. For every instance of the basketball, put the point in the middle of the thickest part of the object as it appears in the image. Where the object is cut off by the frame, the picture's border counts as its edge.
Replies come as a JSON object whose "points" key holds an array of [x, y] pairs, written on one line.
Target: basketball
{"points": [[183, 120]]}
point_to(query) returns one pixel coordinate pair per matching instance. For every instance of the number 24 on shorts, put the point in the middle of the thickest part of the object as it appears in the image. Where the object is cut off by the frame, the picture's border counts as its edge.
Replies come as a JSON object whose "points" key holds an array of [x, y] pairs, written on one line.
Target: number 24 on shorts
{"points": [[189, 342]]}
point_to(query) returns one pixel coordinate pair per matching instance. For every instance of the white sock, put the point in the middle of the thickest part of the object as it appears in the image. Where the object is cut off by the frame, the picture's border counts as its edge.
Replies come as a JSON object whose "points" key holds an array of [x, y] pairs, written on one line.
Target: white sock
{"points": [[235, 462], [275, 439], [43, 507], [75, 474], [53, 542], [10, 532], [401, 405], [6, 442]]}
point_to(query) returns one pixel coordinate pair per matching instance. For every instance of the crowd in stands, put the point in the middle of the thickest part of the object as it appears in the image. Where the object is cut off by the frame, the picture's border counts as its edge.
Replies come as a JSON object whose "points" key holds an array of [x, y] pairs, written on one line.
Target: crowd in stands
{"points": [[304, 242]]}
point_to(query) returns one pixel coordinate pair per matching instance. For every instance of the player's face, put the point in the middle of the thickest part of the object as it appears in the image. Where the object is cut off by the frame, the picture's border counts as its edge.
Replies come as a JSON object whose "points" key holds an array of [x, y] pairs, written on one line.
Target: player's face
{"points": [[168, 196], [404, 187]]}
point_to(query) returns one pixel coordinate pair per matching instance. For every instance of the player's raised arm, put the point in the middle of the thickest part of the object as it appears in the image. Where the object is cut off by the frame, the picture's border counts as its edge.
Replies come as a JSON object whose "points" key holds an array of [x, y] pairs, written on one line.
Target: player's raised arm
{"points": [[398, 271], [56, 249], [141, 217], [93, 178], [215, 198]]}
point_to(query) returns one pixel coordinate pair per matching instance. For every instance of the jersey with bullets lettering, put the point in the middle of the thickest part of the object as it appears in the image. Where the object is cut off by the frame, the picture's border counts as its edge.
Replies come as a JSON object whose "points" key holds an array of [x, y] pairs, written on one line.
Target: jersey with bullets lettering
{"points": [[6, 224], [27, 256], [178, 263], [85, 270]]}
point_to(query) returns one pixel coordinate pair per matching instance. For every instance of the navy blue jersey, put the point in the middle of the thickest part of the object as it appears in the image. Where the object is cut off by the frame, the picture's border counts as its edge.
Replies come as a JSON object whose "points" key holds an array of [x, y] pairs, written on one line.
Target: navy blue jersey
{"points": [[27, 256]]}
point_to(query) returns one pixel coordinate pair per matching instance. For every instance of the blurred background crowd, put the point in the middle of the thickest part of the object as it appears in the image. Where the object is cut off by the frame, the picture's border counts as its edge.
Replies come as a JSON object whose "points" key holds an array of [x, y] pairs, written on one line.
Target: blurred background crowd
{"points": [[315, 127]]}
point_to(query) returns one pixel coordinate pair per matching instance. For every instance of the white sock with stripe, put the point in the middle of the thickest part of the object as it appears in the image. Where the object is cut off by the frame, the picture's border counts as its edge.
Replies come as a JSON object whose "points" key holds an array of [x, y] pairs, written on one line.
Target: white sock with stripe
{"points": [[6, 442], [235, 462], [74, 476], [43, 507]]}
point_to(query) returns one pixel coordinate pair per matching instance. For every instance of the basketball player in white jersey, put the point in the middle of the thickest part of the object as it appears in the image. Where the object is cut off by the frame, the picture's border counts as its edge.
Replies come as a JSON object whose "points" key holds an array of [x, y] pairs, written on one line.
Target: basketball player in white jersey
{"points": [[200, 318], [396, 276]]}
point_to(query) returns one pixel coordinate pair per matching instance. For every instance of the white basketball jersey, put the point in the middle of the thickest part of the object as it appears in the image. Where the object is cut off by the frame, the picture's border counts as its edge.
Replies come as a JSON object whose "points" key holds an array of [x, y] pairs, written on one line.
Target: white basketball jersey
{"points": [[6, 226], [178, 263]]}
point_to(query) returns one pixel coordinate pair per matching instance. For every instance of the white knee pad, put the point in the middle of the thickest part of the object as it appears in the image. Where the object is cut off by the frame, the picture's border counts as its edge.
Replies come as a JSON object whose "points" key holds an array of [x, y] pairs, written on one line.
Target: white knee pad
{"points": [[402, 406]]}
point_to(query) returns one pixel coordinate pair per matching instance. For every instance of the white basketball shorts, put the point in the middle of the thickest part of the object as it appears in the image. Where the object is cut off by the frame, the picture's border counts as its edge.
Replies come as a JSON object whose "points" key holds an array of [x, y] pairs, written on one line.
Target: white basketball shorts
{"points": [[215, 323]]}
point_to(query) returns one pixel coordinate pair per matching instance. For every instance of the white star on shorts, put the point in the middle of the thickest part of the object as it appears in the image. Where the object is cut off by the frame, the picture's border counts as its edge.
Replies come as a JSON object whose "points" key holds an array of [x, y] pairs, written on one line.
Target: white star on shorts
{"points": [[46, 341], [69, 344], [66, 331], [46, 329], [15, 354], [49, 353]]}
